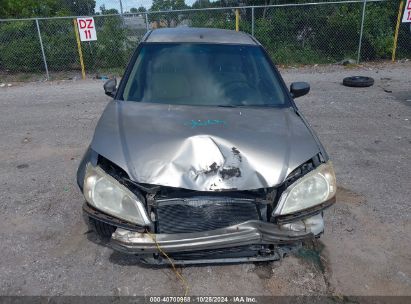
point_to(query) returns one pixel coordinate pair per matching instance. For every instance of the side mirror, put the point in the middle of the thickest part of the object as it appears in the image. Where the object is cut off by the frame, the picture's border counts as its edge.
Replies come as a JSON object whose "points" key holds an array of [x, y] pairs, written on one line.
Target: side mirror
{"points": [[298, 89], [110, 87]]}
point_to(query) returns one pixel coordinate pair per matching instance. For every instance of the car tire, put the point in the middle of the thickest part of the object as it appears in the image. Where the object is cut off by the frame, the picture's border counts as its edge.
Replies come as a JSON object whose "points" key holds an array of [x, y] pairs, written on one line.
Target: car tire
{"points": [[358, 81], [103, 230]]}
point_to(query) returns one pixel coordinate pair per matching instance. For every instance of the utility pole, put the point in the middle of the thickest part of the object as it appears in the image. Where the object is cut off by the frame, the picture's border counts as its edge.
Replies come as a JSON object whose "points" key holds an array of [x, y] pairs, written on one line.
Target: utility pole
{"points": [[121, 13], [121, 8], [361, 31]]}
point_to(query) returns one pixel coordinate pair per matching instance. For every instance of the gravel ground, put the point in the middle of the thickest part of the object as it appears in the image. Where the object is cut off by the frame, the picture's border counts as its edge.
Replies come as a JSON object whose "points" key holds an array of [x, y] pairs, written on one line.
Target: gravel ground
{"points": [[47, 250]]}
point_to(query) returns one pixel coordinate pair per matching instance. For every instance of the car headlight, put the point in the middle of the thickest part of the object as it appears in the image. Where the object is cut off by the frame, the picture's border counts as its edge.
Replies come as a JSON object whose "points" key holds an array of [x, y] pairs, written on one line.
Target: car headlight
{"points": [[105, 193], [312, 189]]}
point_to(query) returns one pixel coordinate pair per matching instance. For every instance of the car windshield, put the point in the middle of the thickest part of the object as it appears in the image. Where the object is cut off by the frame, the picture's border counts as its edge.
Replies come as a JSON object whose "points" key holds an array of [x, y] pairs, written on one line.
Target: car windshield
{"points": [[204, 74]]}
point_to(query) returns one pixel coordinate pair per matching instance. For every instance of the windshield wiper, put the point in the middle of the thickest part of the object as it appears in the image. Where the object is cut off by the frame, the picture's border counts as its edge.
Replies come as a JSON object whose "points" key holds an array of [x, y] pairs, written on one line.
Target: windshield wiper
{"points": [[249, 106], [262, 105], [228, 106]]}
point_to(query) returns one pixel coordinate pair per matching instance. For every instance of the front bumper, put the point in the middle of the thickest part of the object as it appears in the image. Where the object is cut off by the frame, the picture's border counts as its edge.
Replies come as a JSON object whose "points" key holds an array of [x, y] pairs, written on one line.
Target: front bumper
{"points": [[247, 233], [273, 239], [227, 245]]}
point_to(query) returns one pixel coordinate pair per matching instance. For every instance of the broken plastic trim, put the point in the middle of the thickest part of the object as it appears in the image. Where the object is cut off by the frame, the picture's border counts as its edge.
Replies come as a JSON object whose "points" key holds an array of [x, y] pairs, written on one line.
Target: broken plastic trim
{"points": [[303, 169], [277, 253]]}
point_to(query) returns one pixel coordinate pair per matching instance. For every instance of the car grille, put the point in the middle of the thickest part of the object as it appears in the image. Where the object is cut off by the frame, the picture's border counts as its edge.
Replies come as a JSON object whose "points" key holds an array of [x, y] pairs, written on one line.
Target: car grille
{"points": [[195, 214]]}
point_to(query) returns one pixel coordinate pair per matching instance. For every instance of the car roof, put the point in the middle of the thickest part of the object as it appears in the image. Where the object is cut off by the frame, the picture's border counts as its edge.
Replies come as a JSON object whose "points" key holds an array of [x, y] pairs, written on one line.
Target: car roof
{"points": [[199, 35]]}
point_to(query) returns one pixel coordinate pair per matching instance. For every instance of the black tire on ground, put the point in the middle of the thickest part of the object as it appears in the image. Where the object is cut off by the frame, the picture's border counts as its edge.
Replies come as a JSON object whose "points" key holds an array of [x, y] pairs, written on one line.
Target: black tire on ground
{"points": [[103, 230], [358, 81]]}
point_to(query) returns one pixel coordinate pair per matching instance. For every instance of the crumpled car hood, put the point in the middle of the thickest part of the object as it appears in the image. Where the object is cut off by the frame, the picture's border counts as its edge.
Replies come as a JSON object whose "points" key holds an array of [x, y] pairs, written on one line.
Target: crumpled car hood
{"points": [[203, 148]]}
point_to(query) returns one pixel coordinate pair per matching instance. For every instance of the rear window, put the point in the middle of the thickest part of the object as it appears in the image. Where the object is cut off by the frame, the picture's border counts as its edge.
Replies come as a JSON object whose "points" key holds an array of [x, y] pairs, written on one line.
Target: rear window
{"points": [[204, 74]]}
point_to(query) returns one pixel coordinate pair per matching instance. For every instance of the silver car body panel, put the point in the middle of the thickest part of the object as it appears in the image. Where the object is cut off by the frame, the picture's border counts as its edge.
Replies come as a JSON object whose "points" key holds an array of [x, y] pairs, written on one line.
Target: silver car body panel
{"points": [[199, 35], [203, 148]]}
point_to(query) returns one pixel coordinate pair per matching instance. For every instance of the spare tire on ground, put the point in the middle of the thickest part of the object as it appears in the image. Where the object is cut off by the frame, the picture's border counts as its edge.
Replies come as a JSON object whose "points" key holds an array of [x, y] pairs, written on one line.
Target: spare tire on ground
{"points": [[358, 81]]}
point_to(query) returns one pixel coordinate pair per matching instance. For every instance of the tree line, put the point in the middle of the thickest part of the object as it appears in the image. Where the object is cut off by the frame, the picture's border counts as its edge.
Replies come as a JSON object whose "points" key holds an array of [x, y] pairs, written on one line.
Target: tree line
{"points": [[291, 35]]}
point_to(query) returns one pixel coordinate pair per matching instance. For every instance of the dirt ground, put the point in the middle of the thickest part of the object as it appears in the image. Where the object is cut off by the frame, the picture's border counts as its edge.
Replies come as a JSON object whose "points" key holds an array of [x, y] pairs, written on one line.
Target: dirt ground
{"points": [[46, 248]]}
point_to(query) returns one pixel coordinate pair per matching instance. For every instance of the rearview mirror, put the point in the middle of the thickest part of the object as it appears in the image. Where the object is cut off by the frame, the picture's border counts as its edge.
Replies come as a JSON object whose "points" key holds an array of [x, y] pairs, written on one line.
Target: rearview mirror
{"points": [[298, 89], [110, 87]]}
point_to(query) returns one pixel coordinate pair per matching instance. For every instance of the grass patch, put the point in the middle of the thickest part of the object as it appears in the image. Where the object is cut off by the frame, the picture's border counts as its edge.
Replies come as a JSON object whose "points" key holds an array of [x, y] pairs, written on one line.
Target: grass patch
{"points": [[311, 253], [22, 77]]}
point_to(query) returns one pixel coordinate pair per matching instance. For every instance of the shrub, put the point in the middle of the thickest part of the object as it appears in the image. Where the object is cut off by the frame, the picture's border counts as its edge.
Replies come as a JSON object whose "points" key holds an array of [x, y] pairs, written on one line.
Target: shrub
{"points": [[20, 47]]}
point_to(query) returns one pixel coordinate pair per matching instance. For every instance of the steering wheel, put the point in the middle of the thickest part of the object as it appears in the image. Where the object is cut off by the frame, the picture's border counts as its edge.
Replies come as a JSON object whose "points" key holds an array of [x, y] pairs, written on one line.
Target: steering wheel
{"points": [[238, 90]]}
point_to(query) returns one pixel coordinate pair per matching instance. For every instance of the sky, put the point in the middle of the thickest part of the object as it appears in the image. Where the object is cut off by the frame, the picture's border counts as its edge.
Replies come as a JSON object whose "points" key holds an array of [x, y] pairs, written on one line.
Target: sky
{"points": [[127, 4]]}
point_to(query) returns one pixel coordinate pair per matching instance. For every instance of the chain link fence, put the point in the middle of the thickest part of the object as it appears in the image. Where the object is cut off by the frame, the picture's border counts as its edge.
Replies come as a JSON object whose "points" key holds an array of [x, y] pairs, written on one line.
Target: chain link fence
{"points": [[304, 33]]}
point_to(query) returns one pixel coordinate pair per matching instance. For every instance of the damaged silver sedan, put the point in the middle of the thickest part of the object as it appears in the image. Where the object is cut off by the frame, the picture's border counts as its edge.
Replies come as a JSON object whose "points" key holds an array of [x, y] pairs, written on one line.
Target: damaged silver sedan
{"points": [[203, 155]]}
